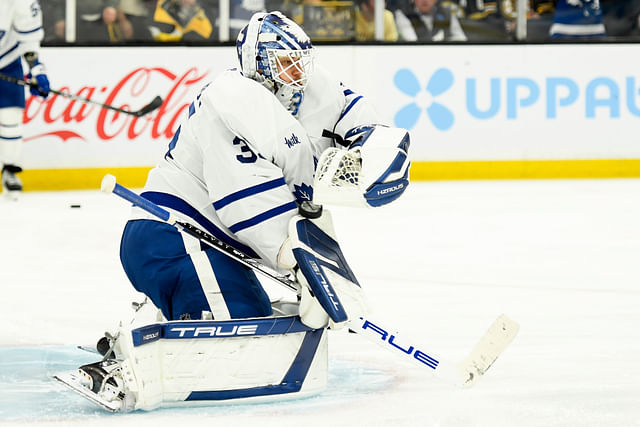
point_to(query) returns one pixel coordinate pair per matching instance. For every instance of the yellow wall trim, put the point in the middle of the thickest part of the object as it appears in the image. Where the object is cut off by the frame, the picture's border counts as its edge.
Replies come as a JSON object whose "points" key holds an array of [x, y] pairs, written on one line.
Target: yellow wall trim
{"points": [[80, 179], [135, 177], [525, 169]]}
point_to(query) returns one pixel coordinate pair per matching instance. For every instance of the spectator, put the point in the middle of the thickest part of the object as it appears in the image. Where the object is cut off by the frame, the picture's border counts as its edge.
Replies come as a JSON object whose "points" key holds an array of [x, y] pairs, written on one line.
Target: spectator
{"points": [[621, 18], [365, 25], [241, 12], [486, 20], [539, 18], [430, 20], [133, 18], [577, 19], [51, 13], [95, 21], [183, 20], [329, 20], [294, 9]]}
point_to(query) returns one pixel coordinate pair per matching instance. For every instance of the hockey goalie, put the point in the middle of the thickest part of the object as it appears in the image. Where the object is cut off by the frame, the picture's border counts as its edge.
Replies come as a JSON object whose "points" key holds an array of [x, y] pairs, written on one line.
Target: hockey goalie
{"points": [[258, 152]]}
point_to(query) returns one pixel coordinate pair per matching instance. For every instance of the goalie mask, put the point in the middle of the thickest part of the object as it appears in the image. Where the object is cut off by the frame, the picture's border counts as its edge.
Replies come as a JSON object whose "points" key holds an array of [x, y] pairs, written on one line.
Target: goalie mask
{"points": [[274, 51]]}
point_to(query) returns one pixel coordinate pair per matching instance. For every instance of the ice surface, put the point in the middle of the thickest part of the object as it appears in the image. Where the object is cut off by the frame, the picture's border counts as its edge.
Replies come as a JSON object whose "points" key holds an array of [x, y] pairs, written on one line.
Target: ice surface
{"points": [[560, 257]]}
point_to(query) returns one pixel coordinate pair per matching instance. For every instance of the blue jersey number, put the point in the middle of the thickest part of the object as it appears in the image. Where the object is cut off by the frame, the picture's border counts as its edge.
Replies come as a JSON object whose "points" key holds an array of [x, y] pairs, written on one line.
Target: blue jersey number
{"points": [[35, 9], [247, 155]]}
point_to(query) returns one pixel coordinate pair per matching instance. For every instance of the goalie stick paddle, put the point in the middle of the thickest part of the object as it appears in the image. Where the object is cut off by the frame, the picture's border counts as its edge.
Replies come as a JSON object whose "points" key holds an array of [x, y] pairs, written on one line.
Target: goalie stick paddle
{"points": [[462, 374], [154, 104]]}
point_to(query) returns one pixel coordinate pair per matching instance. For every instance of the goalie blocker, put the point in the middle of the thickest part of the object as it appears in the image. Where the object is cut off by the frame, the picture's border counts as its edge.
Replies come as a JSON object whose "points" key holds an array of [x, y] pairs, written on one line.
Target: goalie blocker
{"points": [[329, 290]]}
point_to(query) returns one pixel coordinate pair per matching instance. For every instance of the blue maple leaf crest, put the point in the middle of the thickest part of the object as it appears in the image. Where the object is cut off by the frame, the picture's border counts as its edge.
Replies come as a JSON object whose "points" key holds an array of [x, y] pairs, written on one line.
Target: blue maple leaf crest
{"points": [[303, 192], [293, 141]]}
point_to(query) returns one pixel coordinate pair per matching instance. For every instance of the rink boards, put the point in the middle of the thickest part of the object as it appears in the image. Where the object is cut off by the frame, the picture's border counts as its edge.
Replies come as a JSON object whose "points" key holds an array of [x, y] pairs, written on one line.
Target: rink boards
{"points": [[474, 112]]}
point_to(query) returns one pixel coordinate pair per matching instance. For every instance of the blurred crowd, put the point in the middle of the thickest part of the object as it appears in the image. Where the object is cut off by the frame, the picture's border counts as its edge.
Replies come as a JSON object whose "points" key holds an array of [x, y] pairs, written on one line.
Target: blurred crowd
{"points": [[113, 21]]}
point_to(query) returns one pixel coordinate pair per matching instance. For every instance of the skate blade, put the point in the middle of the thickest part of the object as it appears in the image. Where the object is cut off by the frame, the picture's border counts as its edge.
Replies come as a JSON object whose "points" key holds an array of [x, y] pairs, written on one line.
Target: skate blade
{"points": [[72, 381], [89, 349]]}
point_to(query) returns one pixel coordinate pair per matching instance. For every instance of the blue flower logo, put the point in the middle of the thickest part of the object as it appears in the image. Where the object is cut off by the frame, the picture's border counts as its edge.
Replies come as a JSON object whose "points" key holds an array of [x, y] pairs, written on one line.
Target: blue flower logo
{"points": [[440, 82]]}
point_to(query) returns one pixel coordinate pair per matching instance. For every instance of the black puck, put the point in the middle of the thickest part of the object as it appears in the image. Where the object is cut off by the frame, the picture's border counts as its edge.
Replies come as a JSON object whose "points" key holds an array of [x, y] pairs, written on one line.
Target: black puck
{"points": [[310, 210]]}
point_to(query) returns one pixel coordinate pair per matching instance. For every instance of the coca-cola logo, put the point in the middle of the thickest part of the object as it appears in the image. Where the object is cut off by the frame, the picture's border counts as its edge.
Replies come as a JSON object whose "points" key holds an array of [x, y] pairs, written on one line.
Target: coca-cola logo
{"points": [[62, 116]]}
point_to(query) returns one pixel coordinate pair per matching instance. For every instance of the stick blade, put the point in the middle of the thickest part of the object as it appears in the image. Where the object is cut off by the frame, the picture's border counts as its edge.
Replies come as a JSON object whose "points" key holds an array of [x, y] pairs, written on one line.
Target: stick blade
{"points": [[499, 335], [154, 104], [108, 183]]}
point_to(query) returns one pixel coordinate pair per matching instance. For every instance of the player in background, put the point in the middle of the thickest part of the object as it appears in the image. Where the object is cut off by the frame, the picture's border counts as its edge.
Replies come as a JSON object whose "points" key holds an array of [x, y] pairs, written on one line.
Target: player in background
{"points": [[241, 166], [20, 35]]}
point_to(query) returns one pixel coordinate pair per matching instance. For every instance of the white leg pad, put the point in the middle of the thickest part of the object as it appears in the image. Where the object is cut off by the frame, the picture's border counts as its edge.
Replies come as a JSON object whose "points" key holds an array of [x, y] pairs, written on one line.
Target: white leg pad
{"points": [[10, 135], [203, 362]]}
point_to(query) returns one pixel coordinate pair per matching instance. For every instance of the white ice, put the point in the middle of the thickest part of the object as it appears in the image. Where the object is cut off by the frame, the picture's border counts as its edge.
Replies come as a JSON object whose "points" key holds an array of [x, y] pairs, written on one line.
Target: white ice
{"points": [[560, 257]]}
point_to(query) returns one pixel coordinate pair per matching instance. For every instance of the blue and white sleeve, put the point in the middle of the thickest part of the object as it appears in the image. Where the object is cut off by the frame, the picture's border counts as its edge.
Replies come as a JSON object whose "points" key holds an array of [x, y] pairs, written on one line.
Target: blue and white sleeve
{"points": [[357, 111], [28, 25]]}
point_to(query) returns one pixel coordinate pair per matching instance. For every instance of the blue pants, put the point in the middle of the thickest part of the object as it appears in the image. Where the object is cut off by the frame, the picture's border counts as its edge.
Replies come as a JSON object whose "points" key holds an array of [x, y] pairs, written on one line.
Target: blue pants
{"points": [[154, 258], [11, 94]]}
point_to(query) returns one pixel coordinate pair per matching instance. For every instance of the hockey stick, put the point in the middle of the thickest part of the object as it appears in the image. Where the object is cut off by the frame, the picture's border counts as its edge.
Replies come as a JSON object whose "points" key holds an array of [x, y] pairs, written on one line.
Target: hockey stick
{"points": [[109, 185], [154, 104], [463, 374]]}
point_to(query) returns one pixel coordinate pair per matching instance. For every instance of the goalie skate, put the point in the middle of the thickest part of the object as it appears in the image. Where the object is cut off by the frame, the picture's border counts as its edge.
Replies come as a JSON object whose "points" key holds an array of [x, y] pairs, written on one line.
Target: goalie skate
{"points": [[99, 382]]}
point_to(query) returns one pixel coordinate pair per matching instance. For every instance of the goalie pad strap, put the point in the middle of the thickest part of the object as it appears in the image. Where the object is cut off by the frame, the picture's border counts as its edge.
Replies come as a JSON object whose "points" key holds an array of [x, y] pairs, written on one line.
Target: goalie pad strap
{"points": [[335, 137]]}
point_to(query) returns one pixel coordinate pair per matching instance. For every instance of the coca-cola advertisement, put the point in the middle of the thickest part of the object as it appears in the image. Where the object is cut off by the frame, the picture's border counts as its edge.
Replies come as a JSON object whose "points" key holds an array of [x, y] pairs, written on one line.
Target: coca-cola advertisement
{"points": [[63, 132]]}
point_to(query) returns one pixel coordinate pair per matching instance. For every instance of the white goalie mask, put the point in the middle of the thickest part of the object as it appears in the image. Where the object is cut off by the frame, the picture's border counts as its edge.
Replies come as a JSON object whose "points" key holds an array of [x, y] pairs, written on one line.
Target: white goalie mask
{"points": [[274, 51]]}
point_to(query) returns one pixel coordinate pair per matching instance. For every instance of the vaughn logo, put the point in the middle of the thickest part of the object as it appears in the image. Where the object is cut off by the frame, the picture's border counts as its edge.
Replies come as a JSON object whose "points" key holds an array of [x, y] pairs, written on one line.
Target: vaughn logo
{"points": [[292, 141], [66, 119]]}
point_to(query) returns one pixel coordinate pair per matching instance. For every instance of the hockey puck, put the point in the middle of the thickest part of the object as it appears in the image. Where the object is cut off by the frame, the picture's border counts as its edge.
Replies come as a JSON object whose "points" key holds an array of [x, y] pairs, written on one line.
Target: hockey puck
{"points": [[310, 210], [74, 206]]}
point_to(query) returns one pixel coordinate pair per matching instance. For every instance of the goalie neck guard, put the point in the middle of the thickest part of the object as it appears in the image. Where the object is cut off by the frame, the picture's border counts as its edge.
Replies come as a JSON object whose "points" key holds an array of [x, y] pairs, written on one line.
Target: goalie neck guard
{"points": [[274, 51]]}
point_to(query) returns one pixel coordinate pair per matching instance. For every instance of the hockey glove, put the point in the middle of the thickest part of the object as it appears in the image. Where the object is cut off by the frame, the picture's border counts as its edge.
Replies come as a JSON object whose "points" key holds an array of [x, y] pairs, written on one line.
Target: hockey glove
{"points": [[38, 75], [385, 163]]}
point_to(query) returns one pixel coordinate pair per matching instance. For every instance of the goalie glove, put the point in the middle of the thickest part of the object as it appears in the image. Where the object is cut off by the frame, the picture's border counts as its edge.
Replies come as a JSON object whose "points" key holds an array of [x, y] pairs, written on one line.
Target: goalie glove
{"points": [[372, 172], [329, 290], [385, 163]]}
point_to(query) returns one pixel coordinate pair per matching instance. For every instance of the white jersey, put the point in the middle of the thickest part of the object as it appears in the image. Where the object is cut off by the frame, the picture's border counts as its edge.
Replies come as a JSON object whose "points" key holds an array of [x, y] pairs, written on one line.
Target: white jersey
{"points": [[240, 161], [20, 29]]}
